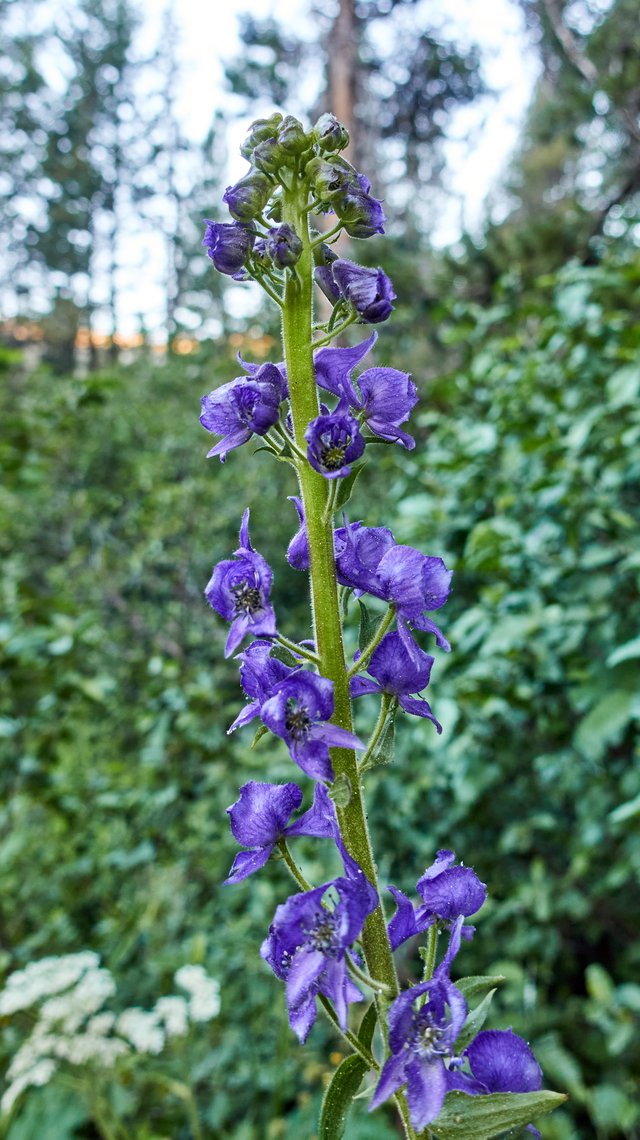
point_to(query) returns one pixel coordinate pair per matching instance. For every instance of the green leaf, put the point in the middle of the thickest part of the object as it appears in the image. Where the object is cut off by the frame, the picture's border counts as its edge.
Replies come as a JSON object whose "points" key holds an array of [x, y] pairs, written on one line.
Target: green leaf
{"points": [[474, 1022], [285, 655], [339, 1096], [604, 723], [624, 653], [368, 1025], [345, 488], [383, 752], [480, 1117], [368, 626], [477, 984], [341, 790], [258, 736]]}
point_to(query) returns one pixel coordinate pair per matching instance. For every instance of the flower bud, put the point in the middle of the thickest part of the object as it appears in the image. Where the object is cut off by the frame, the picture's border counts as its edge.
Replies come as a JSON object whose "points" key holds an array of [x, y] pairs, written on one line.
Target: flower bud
{"points": [[259, 131], [228, 245], [248, 198], [330, 134], [330, 177], [268, 156], [292, 137], [283, 246], [361, 215]]}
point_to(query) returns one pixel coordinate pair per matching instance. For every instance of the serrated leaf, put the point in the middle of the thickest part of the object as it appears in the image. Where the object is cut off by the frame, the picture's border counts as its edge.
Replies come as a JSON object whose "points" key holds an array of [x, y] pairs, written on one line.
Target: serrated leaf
{"points": [[466, 1117], [258, 736], [345, 488], [477, 984], [474, 1022], [368, 1025], [339, 1097]]}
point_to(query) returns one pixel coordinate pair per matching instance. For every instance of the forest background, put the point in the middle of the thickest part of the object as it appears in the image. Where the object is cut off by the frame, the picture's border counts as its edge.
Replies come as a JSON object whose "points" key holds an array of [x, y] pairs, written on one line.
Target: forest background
{"points": [[524, 341]]}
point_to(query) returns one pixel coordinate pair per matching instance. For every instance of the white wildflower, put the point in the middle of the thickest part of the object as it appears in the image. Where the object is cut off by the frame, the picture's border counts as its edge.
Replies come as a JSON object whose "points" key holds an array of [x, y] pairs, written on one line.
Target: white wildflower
{"points": [[41, 979], [141, 1028], [38, 1075], [204, 992], [173, 1011], [87, 997]]}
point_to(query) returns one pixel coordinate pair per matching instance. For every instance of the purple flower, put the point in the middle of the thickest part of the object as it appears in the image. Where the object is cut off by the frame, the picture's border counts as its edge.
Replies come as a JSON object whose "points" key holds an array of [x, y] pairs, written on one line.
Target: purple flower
{"points": [[248, 197], [298, 549], [361, 215], [259, 820], [243, 406], [401, 668], [334, 443], [283, 246], [383, 397], [421, 1038], [449, 894], [228, 245], [500, 1062], [369, 290], [307, 945], [259, 674], [239, 591], [298, 712], [414, 583]]}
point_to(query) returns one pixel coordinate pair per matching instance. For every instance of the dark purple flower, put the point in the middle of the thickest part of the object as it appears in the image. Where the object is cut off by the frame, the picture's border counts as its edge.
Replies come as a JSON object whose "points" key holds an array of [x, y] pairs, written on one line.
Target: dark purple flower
{"points": [[298, 549], [334, 443], [248, 197], [298, 711], [259, 819], [401, 668], [239, 591], [283, 246], [369, 290], [228, 245], [361, 215], [259, 674], [382, 397], [421, 1038], [500, 1062], [247, 405], [449, 894], [307, 945], [413, 582]]}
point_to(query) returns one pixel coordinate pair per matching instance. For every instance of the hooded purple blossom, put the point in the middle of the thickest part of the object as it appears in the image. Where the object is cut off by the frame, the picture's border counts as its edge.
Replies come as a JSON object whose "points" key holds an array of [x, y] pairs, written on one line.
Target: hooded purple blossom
{"points": [[413, 582], [259, 674], [298, 548], [228, 245], [383, 397], [449, 894], [247, 198], [239, 591], [298, 711], [245, 405], [500, 1062], [307, 945], [369, 290], [421, 1038], [259, 819], [400, 668], [283, 246], [361, 215], [334, 442]]}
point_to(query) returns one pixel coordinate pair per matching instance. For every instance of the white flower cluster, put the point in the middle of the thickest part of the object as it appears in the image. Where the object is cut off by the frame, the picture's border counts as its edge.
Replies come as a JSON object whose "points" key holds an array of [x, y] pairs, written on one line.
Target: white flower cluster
{"points": [[72, 1026]]}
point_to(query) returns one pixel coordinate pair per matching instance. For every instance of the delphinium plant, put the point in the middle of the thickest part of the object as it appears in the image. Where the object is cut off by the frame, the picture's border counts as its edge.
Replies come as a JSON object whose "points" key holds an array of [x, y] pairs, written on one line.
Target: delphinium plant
{"points": [[322, 409]]}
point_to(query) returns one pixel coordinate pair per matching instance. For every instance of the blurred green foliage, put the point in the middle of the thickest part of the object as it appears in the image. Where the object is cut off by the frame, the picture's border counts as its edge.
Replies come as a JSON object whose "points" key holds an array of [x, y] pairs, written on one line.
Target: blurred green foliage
{"points": [[115, 698]]}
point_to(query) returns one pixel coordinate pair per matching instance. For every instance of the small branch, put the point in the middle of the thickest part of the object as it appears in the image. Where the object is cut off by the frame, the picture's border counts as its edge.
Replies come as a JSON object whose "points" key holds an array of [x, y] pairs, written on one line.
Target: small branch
{"points": [[295, 871], [336, 332], [354, 1041], [363, 977], [377, 732], [367, 653], [298, 650]]}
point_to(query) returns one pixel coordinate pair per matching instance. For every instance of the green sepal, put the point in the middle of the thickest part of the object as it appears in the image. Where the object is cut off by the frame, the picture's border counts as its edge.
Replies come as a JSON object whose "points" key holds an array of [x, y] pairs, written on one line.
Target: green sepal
{"points": [[341, 790], [345, 487], [344, 601], [477, 984], [367, 1026], [368, 626], [281, 653], [339, 1097], [258, 736], [464, 1117], [473, 1024]]}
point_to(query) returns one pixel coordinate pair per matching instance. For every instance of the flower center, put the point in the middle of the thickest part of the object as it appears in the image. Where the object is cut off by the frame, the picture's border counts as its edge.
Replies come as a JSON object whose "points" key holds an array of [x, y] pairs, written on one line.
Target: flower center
{"points": [[248, 600], [427, 1039], [322, 935], [297, 722], [332, 457]]}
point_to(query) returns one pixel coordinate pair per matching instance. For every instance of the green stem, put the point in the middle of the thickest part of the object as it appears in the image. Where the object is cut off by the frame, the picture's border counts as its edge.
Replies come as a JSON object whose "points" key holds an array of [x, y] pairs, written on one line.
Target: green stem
{"points": [[430, 954], [327, 236], [369, 650], [360, 976], [354, 1041], [267, 288], [300, 650], [298, 350], [294, 869], [334, 333]]}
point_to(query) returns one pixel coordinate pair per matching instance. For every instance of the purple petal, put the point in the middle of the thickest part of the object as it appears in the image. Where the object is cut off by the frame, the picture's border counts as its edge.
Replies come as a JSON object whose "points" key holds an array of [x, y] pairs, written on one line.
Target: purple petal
{"points": [[247, 714], [335, 736], [302, 1018], [305, 969], [504, 1062], [426, 1090], [403, 924], [261, 813], [246, 862], [391, 1079], [419, 707], [312, 757], [333, 367], [320, 820], [455, 891]]}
